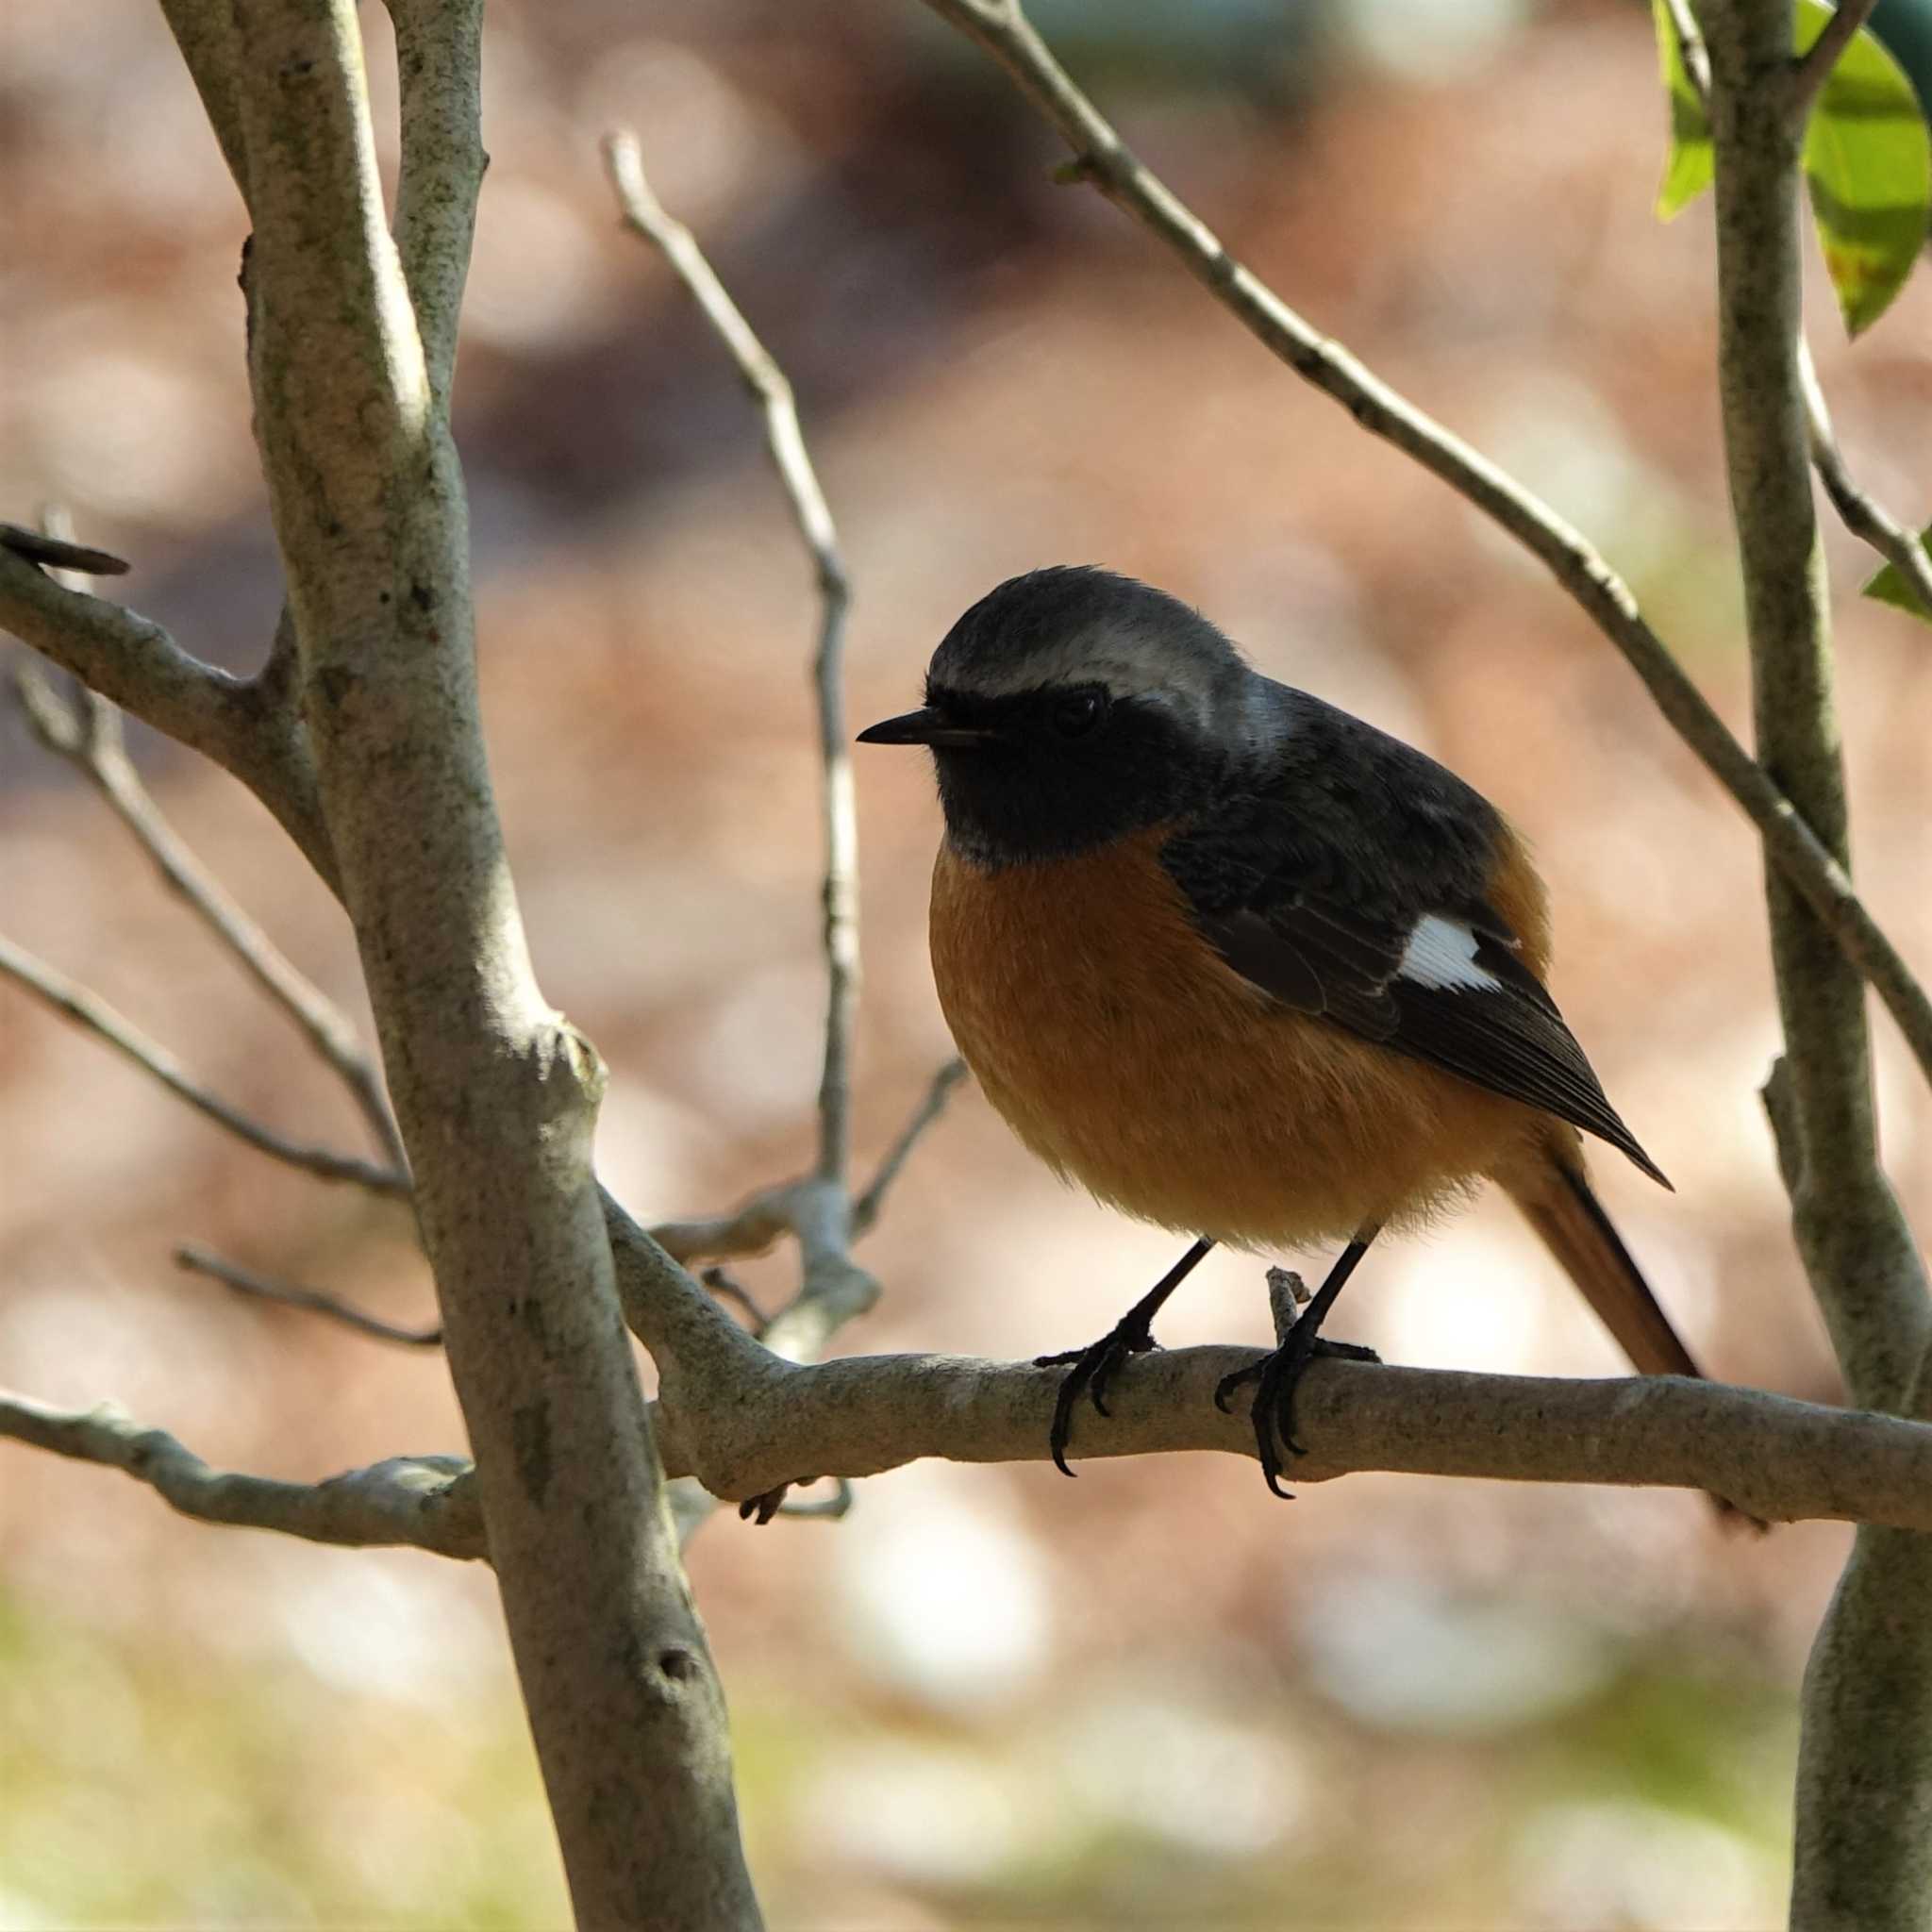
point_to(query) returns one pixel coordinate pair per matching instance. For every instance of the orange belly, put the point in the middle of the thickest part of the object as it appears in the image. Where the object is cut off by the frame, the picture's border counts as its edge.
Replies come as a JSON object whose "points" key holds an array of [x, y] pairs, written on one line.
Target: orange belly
{"points": [[1125, 1053]]}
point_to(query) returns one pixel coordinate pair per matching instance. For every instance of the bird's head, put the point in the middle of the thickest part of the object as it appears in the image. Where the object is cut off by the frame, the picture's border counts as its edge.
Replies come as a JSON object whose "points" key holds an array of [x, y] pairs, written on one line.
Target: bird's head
{"points": [[1070, 706]]}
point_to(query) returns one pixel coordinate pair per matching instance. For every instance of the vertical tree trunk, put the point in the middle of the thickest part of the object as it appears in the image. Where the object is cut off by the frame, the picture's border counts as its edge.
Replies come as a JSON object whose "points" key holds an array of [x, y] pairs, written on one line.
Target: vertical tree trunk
{"points": [[1864, 1792], [495, 1093]]}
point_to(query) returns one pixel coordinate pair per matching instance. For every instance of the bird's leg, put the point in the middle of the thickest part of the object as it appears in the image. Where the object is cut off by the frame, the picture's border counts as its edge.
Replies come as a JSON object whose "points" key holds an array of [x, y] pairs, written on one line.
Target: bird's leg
{"points": [[1278, 1375], [1094, 1367]]}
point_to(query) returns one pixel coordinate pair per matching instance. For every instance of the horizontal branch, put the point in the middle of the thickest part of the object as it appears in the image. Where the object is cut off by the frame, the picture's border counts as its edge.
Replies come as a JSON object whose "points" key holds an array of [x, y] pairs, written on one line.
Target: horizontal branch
{"points": [[1102, 158], [1780, 1461], [746, 1422], [1777, 1460], [68, 997], [425, 1502]]}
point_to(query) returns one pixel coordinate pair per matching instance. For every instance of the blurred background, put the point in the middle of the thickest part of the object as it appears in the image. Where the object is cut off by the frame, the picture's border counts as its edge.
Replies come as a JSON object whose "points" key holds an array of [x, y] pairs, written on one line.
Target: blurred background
{"points": [[989, 1696]]}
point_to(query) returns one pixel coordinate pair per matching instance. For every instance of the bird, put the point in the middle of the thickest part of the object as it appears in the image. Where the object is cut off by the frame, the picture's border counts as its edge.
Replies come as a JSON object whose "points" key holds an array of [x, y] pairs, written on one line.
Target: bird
{"points": [[1246, 967]]}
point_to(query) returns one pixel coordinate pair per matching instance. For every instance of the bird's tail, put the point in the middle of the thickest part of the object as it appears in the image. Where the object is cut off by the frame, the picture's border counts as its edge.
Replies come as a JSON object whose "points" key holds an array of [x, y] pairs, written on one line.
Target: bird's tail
{"points": [[1548, 1183]]}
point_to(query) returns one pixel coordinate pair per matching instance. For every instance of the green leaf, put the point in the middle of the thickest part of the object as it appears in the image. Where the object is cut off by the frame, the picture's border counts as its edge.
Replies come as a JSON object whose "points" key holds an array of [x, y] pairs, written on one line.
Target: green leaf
{"points": [[1687, 168], [1890, 585], [1868, 164]]}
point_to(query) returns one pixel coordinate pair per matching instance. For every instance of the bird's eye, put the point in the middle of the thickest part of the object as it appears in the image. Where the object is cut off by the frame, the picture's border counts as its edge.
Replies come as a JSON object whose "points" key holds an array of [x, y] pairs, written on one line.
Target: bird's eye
{"points": [[1078, 711]]}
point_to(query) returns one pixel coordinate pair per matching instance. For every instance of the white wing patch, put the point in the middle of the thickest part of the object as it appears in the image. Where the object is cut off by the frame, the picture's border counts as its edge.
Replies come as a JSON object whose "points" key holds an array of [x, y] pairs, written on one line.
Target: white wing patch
{"points": [[1441, 953]]}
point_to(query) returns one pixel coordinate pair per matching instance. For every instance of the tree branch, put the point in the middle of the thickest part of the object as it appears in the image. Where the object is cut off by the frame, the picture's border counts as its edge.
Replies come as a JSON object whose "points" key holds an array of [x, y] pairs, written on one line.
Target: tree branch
{"points": [[241, 725], [746, 1422], [817, 1209], [747, 1425], [1810, 72], [495, 1094], [1003, 29], [198, 1260], [68, 997], [764, 1217], [424, 1502], [1691, 47], [1861, 512], [866, 1210], [205, 32], [119, 653], [645, 216], [88, 735], [438, 48], [1863, 1857], [1857, 1251]]}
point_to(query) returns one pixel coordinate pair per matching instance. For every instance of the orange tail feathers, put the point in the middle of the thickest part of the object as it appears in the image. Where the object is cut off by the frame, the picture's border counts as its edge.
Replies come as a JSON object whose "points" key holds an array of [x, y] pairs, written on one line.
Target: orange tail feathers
{"points": [[1548, 1183]]}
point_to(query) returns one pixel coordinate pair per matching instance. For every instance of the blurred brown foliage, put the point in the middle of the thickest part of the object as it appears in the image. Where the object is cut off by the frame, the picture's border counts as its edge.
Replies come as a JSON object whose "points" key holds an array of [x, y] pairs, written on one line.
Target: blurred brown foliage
{"points": [[989, 1694]]}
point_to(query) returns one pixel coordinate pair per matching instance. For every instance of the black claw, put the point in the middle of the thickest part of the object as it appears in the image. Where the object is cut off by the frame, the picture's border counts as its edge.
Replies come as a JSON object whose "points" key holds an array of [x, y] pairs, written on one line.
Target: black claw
{"points": [[1092, 1373], [1063, 1421], [1094, 1368], [1343, 1351], [1239, 1379], [1272, 1411], [762, 1508]]}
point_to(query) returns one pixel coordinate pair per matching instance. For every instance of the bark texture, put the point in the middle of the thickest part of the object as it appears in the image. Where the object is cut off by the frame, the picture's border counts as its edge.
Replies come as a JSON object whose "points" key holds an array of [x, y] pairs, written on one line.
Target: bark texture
{"points": [[1863, 1855]]}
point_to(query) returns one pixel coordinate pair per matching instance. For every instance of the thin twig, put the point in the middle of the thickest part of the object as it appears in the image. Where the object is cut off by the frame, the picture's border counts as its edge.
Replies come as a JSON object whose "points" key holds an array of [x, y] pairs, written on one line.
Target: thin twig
{"points": [[1001, 29], [763, 1219], [88, 735], [423, 1502], [865, 1210], [818, 1210], [753, 1227], [833, 1288], [1860, 513], [54, 549], [67, 997], [645, 216], [1809, 73], [830, 1508], [199, 1261], [1690, 48], [726, 1286]]}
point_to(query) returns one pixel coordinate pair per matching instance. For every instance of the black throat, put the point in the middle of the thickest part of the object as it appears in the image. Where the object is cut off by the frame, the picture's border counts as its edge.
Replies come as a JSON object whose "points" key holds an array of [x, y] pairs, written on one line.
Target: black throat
{"points": [[1029, 793]]}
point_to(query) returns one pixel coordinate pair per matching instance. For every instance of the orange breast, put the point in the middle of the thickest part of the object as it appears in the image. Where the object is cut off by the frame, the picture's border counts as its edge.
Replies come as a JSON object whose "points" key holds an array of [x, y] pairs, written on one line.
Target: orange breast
{"points": [[1128, 1057]]}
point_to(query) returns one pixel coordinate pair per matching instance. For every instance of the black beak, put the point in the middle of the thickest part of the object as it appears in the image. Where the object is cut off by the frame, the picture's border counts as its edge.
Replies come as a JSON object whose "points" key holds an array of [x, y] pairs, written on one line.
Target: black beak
{"points": [[924, 727]]}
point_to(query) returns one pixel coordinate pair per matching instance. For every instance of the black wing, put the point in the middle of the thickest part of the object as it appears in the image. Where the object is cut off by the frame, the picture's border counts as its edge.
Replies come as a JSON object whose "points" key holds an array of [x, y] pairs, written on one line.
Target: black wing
{"points": [[1415, 959]]}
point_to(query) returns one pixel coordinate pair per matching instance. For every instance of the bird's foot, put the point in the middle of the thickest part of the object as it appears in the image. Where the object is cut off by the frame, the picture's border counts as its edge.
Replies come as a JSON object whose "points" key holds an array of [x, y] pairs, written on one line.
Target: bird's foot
{"points": [[1279, 1374], [1091, 1371]]}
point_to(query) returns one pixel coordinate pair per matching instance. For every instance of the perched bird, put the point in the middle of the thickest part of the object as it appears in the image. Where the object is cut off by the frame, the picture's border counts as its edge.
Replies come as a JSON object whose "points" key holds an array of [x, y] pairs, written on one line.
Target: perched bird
{"points": [[1243, 965]]}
